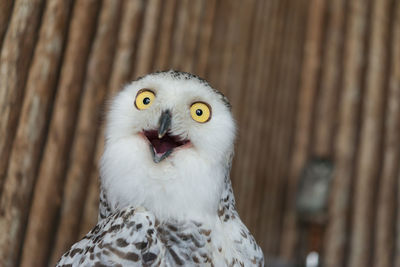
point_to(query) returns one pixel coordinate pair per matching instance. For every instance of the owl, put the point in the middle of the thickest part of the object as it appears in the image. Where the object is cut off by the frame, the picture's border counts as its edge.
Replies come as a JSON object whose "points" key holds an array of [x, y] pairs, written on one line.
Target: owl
{"points": [[166, 196]]}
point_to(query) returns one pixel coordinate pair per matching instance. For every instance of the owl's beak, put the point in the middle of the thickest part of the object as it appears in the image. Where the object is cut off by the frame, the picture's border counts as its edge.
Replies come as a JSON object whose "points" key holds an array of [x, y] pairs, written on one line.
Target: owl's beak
{"points": [[164, 123], [162, 143]]}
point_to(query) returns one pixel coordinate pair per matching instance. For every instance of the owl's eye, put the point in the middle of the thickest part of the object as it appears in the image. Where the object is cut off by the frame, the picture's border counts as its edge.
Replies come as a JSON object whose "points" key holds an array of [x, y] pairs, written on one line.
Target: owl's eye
{"points": [[200, 112], [144, 99]]}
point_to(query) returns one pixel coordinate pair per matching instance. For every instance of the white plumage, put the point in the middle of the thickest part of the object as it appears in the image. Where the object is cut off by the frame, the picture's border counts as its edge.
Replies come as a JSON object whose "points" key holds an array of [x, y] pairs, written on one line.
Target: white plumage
{"points": [[168, 150]]}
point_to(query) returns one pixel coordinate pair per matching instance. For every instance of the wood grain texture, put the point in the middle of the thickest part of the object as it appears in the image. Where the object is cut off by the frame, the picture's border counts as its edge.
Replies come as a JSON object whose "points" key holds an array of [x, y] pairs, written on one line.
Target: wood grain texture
{"points": [[305, 105], [31, 132], [370, 157], [338, 234], [164, 41], [5, 15], [330, 80], [147, 40], [394, 85], [49, 186], [86, 130], [307, 79], [15, 57], [385, 244]]}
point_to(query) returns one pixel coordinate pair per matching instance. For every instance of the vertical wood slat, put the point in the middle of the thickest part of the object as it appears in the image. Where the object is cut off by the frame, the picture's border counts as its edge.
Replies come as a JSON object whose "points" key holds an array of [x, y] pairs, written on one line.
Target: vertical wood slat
{"points": [[50, 177], [83, 146], [284, 98], [261, 100], [394, 84], [330, 86], [385, 241], [30, 134], [386, 207], [191, 31], [337, 234], [121, 72], [221, 70], [369, 159], [214, 68], [178, 33], [185, 35], [268, 100], [5, 15], [144, 58], [303, 123], [165, 35], [207, 23], [243, 186], [15, 58]]}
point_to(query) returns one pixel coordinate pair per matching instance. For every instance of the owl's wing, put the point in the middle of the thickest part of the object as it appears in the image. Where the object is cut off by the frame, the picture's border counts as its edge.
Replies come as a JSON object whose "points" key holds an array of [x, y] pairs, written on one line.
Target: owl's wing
{"points": [[248, 253], [126, 238]]}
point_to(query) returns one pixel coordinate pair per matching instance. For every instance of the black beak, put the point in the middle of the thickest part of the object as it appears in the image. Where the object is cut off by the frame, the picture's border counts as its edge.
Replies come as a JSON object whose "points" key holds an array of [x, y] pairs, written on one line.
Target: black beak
{"points": [[164, 123]]}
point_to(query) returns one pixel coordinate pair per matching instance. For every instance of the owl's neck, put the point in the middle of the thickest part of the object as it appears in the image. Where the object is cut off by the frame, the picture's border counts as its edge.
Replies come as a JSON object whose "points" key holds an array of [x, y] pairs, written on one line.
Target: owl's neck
{"points": [[184, 187], [187, 185]]}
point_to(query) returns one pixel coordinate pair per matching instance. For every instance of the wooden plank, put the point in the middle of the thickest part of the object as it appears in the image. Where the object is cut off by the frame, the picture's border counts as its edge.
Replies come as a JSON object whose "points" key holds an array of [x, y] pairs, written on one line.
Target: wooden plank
{"points": [[223, 11], [250, 116], [25, 154], [51, 171], [191, 36], [15, 59], [126, 45], [147, 40], [179, 33], [337, 233], [305, 104], [283, 105], [327, 104], [384, 243], [369, 159], [83, 147], [269, 107], [394, 84], [163, 51], [385, 240], [203, 49], [231, 42], [6, 8], [259, 106]]}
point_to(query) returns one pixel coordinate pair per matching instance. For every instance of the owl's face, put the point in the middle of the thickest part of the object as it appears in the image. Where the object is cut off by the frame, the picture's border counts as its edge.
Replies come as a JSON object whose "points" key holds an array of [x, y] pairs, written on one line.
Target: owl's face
{"points": [[167, 128]]}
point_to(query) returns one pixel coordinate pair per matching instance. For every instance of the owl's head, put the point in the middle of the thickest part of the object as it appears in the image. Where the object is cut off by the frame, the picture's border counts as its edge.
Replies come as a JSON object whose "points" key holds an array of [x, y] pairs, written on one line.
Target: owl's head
{"points": [[169, 140]]}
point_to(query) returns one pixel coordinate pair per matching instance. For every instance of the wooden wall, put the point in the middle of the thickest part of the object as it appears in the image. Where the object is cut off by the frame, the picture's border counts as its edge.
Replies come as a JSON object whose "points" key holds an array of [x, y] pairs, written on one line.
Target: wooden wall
{"points": [[306, 78]]}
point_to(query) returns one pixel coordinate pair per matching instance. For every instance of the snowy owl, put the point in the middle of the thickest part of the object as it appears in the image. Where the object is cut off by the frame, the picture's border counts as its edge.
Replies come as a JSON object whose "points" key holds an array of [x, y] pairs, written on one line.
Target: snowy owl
{"points": [[166, 196]]}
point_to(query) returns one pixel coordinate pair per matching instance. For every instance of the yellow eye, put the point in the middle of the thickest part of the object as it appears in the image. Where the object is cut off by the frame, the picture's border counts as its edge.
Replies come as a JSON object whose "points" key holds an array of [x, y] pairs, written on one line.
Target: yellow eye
{"points": [[200, 112], [144, 99]]}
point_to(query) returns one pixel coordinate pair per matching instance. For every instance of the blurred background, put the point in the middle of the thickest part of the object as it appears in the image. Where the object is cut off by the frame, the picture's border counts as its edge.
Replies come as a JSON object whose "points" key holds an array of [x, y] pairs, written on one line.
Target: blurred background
{"points": [[315, 89]]}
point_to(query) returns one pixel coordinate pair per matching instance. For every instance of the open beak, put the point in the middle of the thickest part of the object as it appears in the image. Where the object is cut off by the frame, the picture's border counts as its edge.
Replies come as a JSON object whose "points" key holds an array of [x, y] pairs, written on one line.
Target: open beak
{"points": [[162, 143]]}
